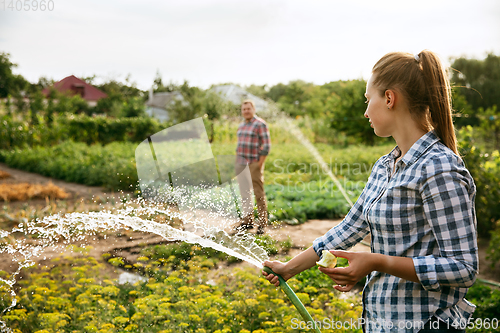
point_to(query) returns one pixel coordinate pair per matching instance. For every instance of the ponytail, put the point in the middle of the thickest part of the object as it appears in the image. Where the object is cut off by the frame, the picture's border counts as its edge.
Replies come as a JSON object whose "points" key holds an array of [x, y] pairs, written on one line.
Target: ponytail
{"points": [[423, 81], [439, 95]]}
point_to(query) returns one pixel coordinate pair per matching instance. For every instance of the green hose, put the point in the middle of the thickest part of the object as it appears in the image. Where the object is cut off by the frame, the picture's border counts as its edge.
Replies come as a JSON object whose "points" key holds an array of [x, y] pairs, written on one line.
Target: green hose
{"points": [[293, 298]]}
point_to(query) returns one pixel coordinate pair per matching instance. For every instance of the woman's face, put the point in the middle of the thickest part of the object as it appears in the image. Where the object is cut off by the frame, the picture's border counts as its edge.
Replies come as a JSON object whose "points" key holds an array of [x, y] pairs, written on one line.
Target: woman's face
{"points": [[380, 116]]}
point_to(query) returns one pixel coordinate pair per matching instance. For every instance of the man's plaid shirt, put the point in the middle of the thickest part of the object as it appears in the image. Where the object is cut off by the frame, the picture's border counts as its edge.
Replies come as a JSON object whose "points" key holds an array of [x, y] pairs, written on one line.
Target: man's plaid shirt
{"points": [[425, 211], [253, 140]]}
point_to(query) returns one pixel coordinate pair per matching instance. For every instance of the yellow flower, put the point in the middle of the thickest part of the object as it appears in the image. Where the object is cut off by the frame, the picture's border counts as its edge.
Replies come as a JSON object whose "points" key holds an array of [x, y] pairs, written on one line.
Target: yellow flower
{"points": [[310, 290], [269, 323], [278, 301], [110, 291], [251, 302], [264, 315], [304, 298], [107, 326], [137, 316], [131, 327], [120, 320], [86, 315], [212, 314], [194, 317], [90, 328]]}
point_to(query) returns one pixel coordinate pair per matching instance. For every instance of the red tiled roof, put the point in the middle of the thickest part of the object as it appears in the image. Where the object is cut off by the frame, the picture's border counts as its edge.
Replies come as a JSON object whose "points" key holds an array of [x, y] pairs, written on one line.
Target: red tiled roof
{"points": [[74, 86]]}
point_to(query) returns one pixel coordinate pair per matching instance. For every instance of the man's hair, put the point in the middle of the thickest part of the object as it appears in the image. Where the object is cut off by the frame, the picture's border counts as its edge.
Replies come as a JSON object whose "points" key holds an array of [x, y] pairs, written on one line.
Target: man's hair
{"points": [[248, 101]]}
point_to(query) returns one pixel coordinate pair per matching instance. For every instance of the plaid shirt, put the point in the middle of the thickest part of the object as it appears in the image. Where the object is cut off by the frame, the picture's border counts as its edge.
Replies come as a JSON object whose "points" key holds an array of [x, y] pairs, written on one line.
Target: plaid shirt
{"points": [[253, 140], [424, 211]]}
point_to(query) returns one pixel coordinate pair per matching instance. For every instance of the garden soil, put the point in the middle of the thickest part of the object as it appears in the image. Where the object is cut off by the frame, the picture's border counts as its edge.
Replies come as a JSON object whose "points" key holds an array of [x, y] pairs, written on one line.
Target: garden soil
{"points": [[128, 243]]}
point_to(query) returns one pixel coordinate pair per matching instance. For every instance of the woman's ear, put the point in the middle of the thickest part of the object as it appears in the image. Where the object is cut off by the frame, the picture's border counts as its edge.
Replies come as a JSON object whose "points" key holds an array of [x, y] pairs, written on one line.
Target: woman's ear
{"points": [[390, 98]]}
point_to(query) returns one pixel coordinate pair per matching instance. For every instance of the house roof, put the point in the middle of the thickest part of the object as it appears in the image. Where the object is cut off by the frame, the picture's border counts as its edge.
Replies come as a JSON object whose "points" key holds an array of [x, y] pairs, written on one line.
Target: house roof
{"points": [[162, 99], [74, 85], [236, 95]]}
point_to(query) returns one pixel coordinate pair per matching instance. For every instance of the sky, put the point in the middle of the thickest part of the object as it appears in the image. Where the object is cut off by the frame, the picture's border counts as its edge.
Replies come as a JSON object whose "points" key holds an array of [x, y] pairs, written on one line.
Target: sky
{"points": [[239, 41]]}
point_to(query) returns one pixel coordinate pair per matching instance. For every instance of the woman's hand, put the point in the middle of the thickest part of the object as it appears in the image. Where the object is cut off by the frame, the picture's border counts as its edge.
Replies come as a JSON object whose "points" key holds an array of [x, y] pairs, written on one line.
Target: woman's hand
{"points": [[360, 265], [279, 268], [299, 263]]}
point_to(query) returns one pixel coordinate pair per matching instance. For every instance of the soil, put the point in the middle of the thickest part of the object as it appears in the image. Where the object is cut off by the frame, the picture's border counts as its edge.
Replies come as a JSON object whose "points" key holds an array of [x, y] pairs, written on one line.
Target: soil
{"points": [[127, 243]]}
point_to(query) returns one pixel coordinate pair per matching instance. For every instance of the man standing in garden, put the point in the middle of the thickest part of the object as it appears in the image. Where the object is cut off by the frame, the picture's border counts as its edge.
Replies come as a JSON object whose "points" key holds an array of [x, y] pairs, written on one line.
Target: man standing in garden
{"points": [[254, 144]]}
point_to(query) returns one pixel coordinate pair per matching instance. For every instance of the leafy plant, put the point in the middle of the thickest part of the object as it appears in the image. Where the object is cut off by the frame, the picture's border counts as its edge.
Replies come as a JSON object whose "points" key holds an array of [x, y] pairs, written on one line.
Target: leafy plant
{"points": [[487, 301]]}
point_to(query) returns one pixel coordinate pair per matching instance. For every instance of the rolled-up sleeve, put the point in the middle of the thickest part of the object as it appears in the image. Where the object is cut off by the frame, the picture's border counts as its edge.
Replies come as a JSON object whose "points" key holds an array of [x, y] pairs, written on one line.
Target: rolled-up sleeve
{"points": [[448, 203], [347, 233], [264, 140]]}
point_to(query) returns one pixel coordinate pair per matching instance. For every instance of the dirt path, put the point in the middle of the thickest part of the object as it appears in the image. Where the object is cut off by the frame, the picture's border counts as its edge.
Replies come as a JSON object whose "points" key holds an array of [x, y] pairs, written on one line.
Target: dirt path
{"points": [[130, 242]]}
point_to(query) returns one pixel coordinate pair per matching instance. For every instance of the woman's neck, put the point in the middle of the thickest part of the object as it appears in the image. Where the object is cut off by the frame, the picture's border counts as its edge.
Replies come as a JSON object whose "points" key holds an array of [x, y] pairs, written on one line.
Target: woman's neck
{"points": [[407, 132]]}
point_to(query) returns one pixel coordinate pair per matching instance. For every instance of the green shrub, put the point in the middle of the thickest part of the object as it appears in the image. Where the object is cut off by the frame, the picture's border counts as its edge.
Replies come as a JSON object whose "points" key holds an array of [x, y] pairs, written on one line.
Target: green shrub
{"points": [[487, 301], [485, 169], [111, 166], [79, 128]]}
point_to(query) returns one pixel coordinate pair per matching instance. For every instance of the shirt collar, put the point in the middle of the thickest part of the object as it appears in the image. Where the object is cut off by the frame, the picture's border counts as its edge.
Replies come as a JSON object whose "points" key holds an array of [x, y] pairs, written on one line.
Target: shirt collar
{"points": [[416, 150], [250, 121]]}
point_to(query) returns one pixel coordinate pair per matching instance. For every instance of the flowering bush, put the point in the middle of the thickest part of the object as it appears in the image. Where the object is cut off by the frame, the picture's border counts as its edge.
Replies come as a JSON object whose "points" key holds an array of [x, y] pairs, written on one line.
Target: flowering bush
{"points": [[76, 296]]}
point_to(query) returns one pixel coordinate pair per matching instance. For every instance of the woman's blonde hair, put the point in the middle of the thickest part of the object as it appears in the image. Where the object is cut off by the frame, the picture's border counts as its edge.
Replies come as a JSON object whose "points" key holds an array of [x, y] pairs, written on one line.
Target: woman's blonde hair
{"points": [[423, 81]]}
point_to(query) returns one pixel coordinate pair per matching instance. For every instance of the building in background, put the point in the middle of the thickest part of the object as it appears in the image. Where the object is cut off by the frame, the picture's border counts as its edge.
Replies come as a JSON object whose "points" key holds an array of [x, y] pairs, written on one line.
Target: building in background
{"points": [[158, 104], [74, 86], [236, 95]]}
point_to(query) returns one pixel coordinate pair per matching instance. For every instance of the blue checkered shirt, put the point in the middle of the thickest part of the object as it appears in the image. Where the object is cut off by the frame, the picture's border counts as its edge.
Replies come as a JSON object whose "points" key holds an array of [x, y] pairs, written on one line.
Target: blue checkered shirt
{"points": [[424, 211]]}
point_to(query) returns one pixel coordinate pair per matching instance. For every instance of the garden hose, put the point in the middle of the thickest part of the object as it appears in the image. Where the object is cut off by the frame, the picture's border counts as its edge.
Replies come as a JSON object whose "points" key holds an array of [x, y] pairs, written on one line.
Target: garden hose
{"points": [[293, 298]]}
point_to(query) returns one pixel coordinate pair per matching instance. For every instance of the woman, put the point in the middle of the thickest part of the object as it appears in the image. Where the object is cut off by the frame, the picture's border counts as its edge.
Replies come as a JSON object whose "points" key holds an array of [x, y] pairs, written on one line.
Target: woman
{"points": [[418, 205]]}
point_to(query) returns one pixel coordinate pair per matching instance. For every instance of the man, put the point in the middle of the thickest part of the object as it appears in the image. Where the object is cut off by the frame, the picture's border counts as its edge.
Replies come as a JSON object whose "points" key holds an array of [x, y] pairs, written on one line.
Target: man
{"points": [[253, 147]]}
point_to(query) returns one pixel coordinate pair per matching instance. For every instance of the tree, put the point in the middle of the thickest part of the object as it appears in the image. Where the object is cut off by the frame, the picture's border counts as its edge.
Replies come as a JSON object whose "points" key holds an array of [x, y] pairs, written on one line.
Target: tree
{"points": [[275, 92], [133, 107], [159, 87], [490, 126], [10, 84], [259, 91], [120, 91], [463, 113], [119, 95], [298, 98], [478, 80], [346, 105], [190, 106]]}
